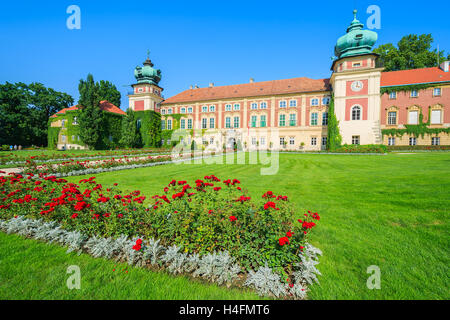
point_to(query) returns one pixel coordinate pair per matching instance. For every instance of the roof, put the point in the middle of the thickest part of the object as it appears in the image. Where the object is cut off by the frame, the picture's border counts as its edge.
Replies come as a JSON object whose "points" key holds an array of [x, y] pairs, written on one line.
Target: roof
{"points": [[104, 105], [414, 76], [254, 89]]}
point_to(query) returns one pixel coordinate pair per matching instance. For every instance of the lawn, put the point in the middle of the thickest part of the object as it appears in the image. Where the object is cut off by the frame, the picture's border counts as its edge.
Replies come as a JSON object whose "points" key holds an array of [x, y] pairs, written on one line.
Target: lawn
{"points": [[389, 211]]}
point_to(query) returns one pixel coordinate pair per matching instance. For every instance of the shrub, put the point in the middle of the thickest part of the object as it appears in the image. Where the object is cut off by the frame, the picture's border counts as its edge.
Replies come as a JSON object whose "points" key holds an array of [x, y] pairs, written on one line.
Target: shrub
{"points": [[369, 148]]}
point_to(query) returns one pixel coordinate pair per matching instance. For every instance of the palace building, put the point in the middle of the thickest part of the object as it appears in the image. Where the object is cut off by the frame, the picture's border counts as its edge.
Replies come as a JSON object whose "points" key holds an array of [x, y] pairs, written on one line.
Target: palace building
{"points": [[410, 107]]}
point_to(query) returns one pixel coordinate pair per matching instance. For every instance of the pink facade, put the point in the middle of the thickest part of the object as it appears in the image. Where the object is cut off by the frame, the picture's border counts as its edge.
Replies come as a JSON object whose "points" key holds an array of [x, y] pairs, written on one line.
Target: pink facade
{"points": [[425, 99]]}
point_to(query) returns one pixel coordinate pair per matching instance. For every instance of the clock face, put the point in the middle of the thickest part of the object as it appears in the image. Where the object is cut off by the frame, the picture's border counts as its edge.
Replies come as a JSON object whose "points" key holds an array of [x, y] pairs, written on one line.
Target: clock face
{"points": [[357, 86]]}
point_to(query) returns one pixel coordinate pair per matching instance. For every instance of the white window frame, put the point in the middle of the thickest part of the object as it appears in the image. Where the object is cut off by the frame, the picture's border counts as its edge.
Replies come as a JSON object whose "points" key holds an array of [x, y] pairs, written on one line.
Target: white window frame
{"points": [[292, 103], [414, 94], [359, 114], [228, 107], [417, 117], [434, 92], [314, 102], [314, 117], [212, 108], [433, 118], [282, 104], [391, 141], [237, 107], [254, 106], [263, 105]]}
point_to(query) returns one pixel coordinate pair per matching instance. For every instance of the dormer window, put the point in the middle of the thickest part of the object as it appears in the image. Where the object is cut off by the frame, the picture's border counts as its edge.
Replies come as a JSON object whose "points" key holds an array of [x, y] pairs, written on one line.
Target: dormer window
{"points": [[356, 64], [393, 95], [414, 94]]}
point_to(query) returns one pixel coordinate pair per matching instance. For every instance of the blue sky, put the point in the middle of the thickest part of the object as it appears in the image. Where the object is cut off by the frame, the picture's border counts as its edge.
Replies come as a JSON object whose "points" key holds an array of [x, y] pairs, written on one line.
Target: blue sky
{"points": [[192, 42]]}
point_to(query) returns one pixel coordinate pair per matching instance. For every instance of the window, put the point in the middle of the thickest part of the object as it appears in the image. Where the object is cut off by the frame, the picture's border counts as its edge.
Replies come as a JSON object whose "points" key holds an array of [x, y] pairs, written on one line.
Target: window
{"points": [[205, 109], [262, 121], [391, 141], [211, 140], [253, 121], [355, 139], [357, 64], [169, 124], [392, 118], [163, 124], [63, 138], [262, 141], [436, 92], [138, 124], [281, 141], [75, 122], [169, 111], [356, 113], [314, 117], [189, 123], [254, 106], [325, 118], [292, 120], [282, 121], [78, 138], [63, 122], [412, 141], [228, 107], [414, 94], [212, 108], [183, 110], [314, 102], [212, 123], [168, 141], [163, 111], [291, 141], [227, 122], [282, 104], [435, 141], [162, 141], [263, 105], [314, 141], [413, 117], [393, 95], [73, 139], [236, 122], [190, 110], [326, 101], [292, 103], [237, 106], [324, 141], [183, 123], [204, 123], [436, 116], [254, 141]]}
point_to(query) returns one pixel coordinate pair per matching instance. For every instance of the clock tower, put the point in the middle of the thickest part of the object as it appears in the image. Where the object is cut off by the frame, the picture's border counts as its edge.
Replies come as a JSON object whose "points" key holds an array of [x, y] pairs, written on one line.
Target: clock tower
{"points": [[356, 86]]}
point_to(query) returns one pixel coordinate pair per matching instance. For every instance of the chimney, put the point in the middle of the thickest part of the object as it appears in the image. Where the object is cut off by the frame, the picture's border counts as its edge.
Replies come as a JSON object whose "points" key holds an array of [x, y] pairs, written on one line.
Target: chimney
{"points": [[445, 66], [252, 80], [211, 84], [190, 87]]}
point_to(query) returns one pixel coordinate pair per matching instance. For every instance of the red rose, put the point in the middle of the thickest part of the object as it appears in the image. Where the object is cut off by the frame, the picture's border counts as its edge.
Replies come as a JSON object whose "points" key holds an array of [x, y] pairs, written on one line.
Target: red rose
{"points": [[283, 241], [232, 218]]}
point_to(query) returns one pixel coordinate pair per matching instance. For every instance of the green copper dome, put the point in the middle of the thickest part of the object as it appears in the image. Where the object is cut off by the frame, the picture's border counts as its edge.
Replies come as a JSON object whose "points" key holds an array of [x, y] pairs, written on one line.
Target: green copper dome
{"points": [[147, 74], [356, 42]]}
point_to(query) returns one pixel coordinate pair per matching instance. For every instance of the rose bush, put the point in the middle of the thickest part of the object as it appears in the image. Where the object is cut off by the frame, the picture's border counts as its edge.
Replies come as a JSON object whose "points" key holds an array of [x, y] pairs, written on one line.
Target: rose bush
{"points": [[209, 215]]}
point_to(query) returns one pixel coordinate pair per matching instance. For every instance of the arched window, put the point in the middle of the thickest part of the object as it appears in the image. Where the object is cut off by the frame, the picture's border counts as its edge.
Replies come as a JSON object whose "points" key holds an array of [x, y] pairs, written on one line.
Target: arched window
{"points": [[356, 113]]}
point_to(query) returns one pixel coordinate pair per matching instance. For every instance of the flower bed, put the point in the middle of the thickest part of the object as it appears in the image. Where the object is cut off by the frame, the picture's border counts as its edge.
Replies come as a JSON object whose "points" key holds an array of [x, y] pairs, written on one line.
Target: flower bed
{"points": [[263, 240], [12, 157], [415, 148]]}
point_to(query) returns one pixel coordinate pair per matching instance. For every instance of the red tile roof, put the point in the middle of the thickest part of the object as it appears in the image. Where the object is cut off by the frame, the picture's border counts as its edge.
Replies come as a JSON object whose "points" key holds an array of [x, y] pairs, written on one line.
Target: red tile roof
{"points": [[254, 89], [104, 105], [414, 76]]}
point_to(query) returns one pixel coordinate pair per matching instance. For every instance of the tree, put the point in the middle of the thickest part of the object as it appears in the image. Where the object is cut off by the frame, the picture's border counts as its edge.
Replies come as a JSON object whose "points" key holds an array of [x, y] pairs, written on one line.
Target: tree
{"points": [[131, 137], [25, 110], [334, 139], [108, 91], [90, 115], [412, 52]]}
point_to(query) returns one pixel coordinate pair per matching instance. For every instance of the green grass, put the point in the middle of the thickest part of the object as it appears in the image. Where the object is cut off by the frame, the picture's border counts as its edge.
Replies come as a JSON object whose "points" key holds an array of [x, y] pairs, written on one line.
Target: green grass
{"points": [[390, 211], [30, 269]]}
